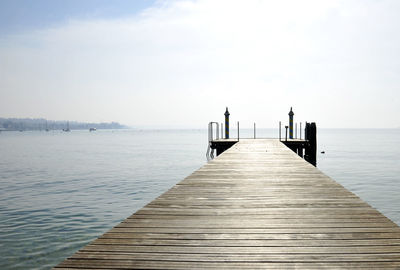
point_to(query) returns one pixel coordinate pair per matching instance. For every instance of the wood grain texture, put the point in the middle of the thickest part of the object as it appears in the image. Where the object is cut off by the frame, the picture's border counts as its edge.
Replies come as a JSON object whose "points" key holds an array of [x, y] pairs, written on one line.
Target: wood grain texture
{"points": [[256, 206]]}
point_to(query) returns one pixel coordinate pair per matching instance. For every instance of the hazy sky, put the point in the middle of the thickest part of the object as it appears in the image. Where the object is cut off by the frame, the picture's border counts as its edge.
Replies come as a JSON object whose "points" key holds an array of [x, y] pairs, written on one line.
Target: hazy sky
{"points": [[179, 63]]}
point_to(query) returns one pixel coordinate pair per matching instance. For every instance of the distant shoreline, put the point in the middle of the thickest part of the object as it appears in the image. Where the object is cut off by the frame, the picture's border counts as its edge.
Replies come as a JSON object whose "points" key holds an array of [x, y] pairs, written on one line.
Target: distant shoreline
{"points": [[29, 124]]}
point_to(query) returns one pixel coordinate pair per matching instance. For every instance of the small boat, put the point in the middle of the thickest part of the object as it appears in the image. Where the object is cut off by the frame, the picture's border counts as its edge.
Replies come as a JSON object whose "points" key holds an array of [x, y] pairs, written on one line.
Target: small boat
{"points": [[67, 129], [92, 129]]}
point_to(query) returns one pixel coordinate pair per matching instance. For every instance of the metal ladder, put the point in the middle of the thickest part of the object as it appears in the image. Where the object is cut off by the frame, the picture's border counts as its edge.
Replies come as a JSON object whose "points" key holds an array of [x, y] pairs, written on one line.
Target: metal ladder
{"points": [[210, 151]]}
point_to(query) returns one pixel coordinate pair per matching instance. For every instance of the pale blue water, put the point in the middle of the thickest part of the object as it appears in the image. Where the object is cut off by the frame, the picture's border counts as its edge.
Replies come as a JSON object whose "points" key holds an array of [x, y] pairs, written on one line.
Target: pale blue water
{"points": [[59, 191], [367, 162]]}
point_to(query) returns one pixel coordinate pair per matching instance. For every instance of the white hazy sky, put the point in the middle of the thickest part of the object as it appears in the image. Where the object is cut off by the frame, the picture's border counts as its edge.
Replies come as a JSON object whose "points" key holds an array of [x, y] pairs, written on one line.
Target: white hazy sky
{"points": [[179, 63]]}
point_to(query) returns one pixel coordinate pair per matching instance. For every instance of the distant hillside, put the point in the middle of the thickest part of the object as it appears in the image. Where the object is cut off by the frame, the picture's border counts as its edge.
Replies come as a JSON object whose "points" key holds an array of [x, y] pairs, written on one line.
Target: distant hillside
{"points": [[42, 124]]}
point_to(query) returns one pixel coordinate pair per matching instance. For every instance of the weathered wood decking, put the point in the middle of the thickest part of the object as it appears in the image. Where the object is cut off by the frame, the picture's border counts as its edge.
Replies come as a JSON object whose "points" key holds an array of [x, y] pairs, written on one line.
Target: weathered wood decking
{"points": [[257, 205]]}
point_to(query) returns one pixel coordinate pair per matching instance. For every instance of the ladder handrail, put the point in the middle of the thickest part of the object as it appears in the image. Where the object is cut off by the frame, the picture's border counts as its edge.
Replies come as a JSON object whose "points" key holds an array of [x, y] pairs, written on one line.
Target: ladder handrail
{"points": [[211, 131], [210, 151]]}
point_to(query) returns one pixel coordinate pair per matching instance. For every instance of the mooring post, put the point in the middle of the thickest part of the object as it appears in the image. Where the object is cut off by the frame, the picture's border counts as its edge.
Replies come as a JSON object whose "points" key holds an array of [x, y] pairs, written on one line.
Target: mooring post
{"points": [[305, 131], [286, 127], [291, 123], [307, 146], [313, 144], [311, 147], [227, 123]]}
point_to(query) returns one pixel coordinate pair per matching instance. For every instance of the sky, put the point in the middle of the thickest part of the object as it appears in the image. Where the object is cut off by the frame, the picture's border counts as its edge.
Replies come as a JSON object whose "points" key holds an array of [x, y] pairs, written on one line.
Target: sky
{"points": [[180, 63]]}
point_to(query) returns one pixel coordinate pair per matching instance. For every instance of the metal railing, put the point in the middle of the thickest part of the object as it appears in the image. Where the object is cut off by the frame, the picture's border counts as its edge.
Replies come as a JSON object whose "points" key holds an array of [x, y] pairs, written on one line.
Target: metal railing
{"points": [[211, 132], [215, 131], [295, 136]]}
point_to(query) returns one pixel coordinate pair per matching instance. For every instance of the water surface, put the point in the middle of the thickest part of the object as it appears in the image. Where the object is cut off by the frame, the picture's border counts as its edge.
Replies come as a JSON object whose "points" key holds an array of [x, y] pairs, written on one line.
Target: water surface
{"points": [[59, 191]]}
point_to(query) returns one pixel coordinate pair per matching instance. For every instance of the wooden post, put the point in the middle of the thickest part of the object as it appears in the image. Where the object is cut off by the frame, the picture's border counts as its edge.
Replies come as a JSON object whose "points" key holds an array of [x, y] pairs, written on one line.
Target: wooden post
{"points": [[305, 131], [313, 144], [306, 149], [311, 148]]}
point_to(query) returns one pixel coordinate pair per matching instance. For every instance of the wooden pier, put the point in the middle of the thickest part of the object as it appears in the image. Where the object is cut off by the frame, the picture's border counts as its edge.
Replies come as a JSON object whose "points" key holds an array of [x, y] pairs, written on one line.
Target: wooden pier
{"points": [[258, 205]]}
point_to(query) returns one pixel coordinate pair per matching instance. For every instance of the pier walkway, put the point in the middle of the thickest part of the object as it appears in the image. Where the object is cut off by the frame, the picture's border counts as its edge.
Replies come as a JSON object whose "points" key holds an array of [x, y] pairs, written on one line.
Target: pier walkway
{"points": [[258, 205]]}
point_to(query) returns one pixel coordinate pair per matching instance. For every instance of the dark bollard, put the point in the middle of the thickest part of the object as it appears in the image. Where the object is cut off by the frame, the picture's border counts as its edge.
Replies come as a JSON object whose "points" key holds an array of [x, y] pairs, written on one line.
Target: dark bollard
{"points": [[291, 123], [313, 144], [311, 148], [307, 146], [307, 127], [227, 123]]}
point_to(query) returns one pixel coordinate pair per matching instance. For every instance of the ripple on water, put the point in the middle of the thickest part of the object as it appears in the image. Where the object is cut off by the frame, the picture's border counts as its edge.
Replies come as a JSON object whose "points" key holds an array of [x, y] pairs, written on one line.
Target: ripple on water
{"points": [[82, 184]]}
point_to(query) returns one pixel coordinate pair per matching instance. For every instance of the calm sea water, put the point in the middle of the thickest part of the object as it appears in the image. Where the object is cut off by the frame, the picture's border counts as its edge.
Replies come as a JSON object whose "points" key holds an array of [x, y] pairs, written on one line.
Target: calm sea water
{"points": [[59, 191]]}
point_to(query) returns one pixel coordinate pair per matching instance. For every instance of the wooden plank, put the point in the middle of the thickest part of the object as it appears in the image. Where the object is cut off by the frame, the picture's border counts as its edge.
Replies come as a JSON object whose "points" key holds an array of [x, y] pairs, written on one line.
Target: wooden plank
{"points": [[154, 264], [251, 236], [240, 250], [250, 243], [264, 211], [280, 230], [256, 206], [233, 257]]}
